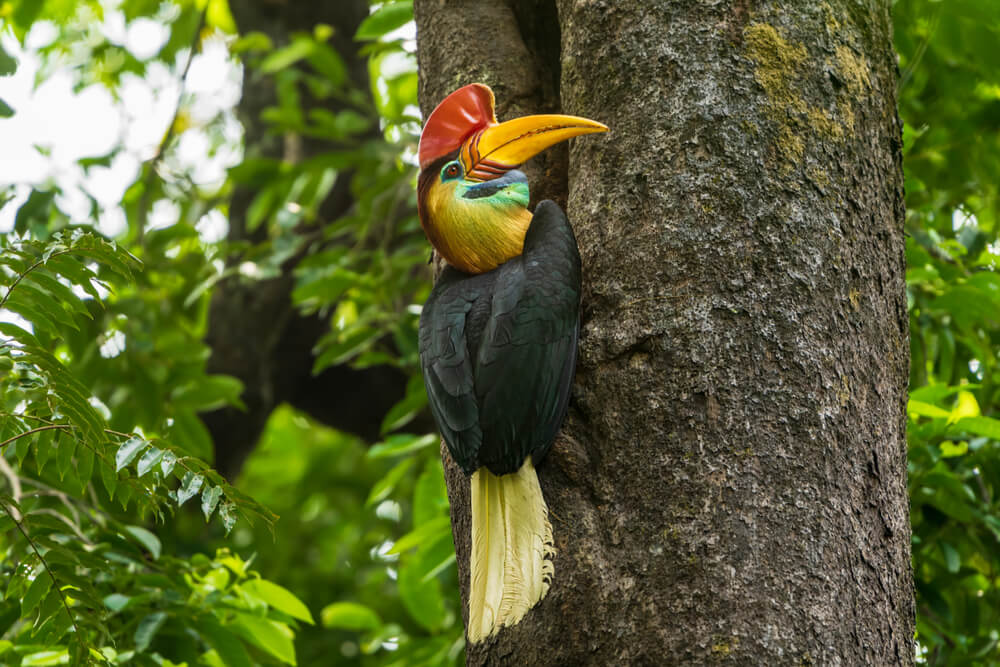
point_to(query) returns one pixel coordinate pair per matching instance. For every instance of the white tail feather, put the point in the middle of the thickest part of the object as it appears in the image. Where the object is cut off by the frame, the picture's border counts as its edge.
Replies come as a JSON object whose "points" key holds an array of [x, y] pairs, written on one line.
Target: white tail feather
{"points": [[510, 565]]}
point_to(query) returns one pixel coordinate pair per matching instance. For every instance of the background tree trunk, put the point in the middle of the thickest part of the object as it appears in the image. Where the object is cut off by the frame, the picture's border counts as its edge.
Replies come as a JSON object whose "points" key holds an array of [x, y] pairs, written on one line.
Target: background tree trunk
{"points": [[730, 484]]}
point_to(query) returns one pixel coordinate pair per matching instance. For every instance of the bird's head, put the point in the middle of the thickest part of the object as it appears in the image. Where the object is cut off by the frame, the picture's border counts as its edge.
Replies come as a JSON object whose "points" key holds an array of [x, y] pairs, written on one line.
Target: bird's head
{"points": [[473, 202]]}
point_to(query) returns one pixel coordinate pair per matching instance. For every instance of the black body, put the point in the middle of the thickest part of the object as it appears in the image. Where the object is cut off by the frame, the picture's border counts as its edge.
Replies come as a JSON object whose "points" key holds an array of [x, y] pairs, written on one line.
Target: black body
{"points": [[498, 350]]}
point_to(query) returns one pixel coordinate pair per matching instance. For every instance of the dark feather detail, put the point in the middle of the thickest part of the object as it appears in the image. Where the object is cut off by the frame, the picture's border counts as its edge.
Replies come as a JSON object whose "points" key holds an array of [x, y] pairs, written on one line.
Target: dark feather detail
{"points": [[498, 350]]}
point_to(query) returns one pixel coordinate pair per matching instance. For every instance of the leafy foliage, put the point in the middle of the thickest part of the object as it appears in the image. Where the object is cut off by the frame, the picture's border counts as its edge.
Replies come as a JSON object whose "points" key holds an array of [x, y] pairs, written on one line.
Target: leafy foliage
{"points": [[103, 367], [70, 565], [950, 102]]}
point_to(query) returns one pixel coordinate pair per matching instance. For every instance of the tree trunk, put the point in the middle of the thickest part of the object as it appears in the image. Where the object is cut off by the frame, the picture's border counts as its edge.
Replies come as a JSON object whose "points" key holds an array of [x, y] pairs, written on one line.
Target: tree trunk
{"points": [[730, 484]]}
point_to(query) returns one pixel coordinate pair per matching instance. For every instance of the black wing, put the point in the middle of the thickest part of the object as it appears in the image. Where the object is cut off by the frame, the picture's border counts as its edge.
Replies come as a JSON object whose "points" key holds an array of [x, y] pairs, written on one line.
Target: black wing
{"points": [[498, 350]]}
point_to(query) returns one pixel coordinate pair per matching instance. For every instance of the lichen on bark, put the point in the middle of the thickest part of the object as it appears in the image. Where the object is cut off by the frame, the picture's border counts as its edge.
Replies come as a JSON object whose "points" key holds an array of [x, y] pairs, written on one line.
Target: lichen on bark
{"points": [[783, 68]]}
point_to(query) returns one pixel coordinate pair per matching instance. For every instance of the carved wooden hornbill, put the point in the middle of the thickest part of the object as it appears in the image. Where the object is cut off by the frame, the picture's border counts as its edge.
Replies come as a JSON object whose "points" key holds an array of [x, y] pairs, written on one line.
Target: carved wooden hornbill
{"points": [[498, 335]]}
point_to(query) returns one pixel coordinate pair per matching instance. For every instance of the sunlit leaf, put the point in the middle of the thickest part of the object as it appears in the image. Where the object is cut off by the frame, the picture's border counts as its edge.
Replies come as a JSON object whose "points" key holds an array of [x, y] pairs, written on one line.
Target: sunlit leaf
{"points": [[167, 462], [385, 19], [965, 406], [349, 616], [42, 658], [128, 451], [381, 490], [270, 636], [278, 597], [397, 445], [149, 460], [190, 485], [209, 500], [950, 449], [227, 512], [422, 534]]}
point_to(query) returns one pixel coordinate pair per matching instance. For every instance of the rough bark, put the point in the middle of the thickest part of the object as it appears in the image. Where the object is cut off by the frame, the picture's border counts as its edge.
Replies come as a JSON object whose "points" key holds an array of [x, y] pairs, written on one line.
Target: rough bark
{"points": [[729, 486], [254, 331]]}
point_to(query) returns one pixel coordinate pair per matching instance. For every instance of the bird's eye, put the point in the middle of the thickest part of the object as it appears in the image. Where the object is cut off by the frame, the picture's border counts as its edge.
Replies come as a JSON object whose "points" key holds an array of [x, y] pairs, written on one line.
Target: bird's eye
{"points": [[451, 170]]}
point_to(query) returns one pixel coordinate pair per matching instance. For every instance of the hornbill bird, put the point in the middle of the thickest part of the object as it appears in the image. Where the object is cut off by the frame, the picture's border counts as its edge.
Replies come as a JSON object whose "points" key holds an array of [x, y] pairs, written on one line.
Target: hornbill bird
{"points": [[498, 335]]}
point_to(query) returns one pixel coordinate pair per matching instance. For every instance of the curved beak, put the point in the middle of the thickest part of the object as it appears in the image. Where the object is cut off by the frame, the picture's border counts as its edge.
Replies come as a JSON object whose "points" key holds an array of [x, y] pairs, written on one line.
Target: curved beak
{"points": [[497, 149]]}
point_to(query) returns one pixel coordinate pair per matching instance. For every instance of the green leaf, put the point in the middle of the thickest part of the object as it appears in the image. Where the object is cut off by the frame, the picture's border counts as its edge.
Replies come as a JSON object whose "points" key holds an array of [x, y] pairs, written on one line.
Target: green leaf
{"points": [[128, 451], [227, 644], [8, 63], [61, 293], [147, 629], [434, 557], [965, 406], [147, 539], [84, 465], [430, 531], [108, 253], [921, 409], [349, 616], [279, 598], [116, 601], [37, 589], [953, 560], [42, 658], [77, 273], [252, 41], [950, 450], [405, 410], [382, 488], [190, 485], [422, 597], [227, 512], [51, 623], [209, 393], [328, 63], [109, 479], [45, 445], [35, 208], [167, 463], [21, 448], [270, 636], [65, 448], [148, 461], [430, 495], [985, 426], [287, 56], [385, 19], [6, 110], [403, 443], [209, 500], [349, 345]]}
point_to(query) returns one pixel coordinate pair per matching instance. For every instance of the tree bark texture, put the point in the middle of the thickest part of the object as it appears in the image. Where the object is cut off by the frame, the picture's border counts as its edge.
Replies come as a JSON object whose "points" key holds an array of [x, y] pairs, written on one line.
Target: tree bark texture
{"points": [[730, 484], [255, 332]]}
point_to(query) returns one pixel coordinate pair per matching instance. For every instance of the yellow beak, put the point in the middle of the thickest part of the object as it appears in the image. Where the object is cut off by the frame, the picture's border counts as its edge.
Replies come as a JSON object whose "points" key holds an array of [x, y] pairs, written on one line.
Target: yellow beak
{"points": [[497, 149]]}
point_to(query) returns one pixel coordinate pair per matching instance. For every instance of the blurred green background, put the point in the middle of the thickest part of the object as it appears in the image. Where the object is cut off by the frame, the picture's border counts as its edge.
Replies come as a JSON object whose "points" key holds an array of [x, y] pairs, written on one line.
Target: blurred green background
{"points": [[136, 187]]}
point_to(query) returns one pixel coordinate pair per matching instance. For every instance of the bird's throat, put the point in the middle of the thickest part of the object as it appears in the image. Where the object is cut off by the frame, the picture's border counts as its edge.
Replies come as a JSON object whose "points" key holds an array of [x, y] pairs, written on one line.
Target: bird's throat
{"points": [[473, 235]]}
